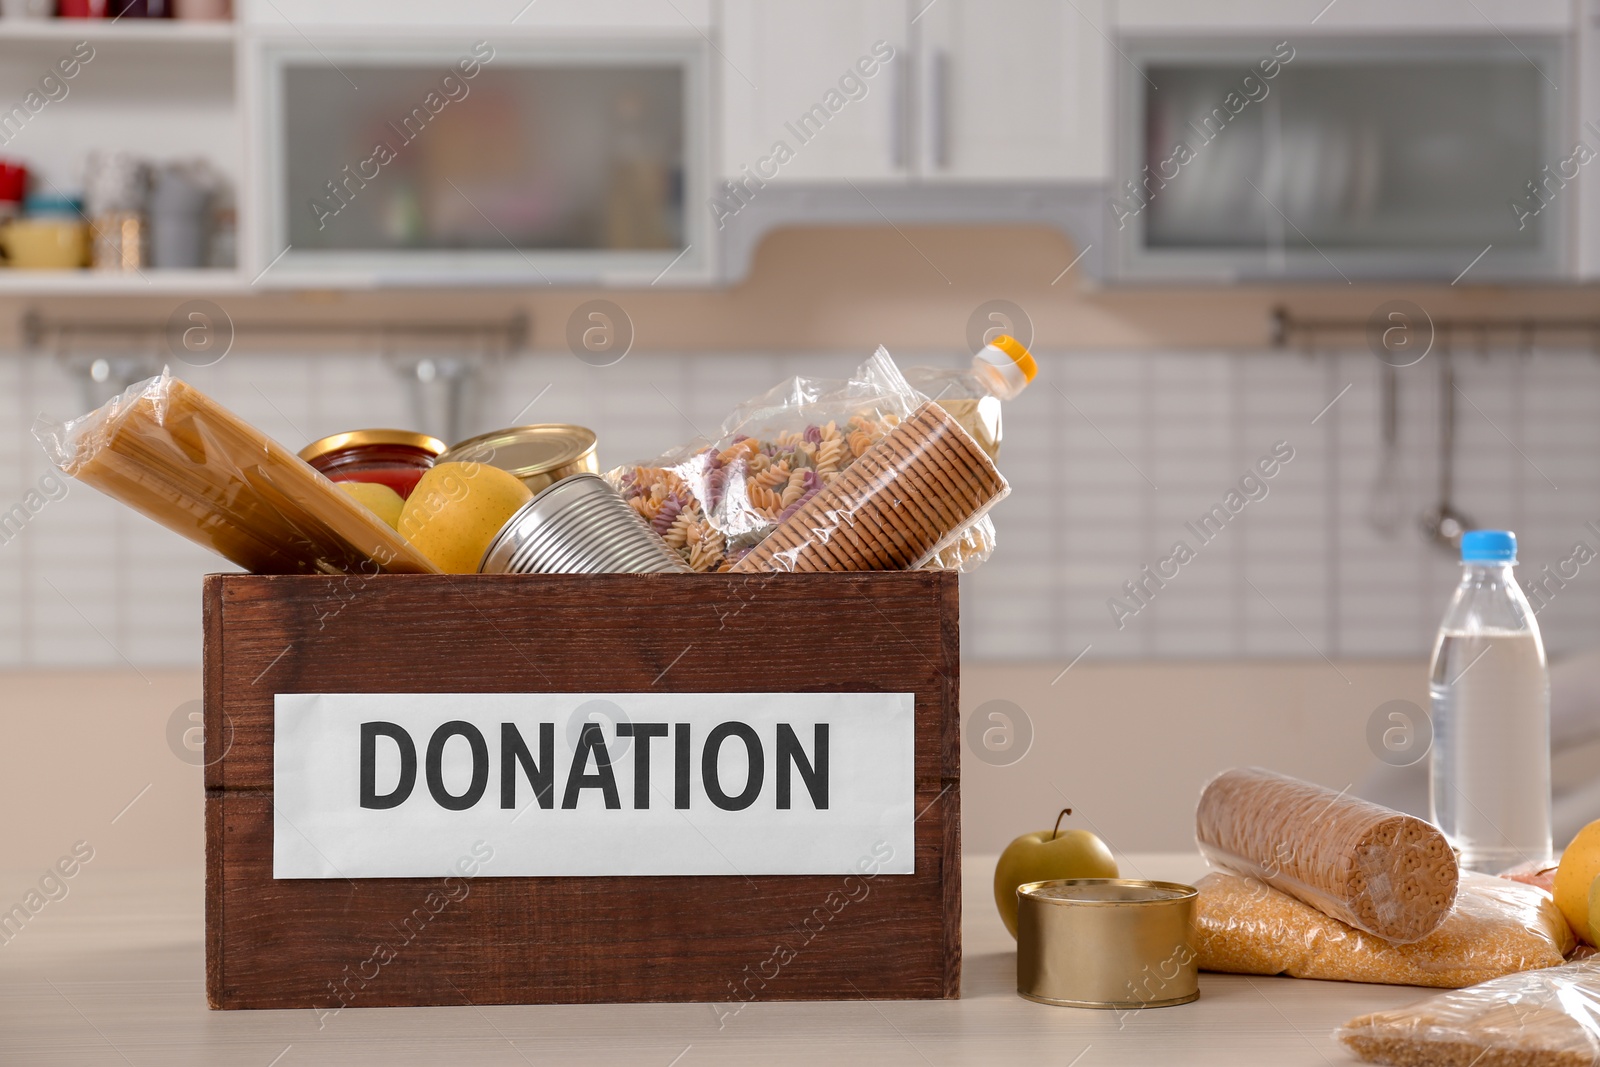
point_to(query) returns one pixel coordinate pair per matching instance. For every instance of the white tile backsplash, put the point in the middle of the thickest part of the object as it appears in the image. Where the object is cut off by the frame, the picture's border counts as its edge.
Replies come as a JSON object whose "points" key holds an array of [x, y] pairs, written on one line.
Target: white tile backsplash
{"points": [[1110, 455]]}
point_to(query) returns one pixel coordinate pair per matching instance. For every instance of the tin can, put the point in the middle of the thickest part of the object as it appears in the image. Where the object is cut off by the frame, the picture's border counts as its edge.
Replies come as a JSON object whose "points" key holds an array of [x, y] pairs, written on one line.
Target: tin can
{"points": [[540, 455], [579, 525], [1107, 943]]}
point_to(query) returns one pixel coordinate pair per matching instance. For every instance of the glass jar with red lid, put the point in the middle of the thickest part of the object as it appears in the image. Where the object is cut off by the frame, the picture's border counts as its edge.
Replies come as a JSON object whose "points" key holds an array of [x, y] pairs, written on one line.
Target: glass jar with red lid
{"points": [[396, 458]]}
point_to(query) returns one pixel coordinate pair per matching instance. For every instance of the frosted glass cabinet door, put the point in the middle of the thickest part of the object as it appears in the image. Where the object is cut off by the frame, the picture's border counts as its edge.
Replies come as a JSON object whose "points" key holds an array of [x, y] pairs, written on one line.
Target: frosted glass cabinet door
{"points": [[1379, 157], [1014, 89], [813, 76], [566, 162]]}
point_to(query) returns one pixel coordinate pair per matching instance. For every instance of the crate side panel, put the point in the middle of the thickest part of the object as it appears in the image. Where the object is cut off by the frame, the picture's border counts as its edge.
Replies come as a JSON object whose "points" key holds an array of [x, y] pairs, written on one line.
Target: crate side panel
{"points": [[324, 944], [893, 632]]}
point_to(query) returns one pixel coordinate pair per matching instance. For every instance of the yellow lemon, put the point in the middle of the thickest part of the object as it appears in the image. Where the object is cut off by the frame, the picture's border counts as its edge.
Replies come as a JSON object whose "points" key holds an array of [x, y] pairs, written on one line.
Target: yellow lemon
{"points": [[378, 499], [1580, 863], [455, 511]]}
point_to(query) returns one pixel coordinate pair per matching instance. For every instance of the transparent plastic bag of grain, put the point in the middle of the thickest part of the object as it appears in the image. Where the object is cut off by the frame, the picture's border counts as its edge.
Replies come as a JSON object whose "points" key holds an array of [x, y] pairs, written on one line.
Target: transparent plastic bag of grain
{"points": [[1545, 1018], [1496, 927]]}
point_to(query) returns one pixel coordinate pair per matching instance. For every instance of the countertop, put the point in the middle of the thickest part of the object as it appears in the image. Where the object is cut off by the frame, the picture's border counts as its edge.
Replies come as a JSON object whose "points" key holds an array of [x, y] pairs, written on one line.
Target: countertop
{"points": [[113, 974]]}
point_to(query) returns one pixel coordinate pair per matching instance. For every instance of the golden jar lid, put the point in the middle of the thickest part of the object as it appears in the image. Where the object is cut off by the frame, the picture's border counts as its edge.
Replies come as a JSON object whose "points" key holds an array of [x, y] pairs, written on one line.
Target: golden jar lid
{"points": [[540, 454], [367, 438]]}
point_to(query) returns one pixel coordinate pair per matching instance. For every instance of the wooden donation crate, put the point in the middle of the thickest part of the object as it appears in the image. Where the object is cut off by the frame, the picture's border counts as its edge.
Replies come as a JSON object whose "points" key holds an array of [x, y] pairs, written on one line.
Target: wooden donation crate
{"points": [[360, 732]]}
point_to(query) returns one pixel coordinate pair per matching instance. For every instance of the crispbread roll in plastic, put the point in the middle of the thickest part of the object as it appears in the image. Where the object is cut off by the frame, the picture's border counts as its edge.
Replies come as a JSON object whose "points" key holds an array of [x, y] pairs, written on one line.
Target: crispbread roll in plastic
{"points": [[1389, 874], [901, 502]]}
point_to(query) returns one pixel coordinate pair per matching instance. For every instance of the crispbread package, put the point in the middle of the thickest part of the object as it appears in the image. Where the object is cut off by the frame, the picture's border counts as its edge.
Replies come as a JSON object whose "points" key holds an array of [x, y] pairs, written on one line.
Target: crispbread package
{"points": [[1548, 1018], [1497, 927], [1373, 868], [897, 506], [714, 502]]}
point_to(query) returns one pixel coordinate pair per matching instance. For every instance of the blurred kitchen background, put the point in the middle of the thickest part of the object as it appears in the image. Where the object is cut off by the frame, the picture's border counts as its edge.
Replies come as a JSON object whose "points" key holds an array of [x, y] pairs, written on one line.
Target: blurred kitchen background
{"points": [[1362, 231]]}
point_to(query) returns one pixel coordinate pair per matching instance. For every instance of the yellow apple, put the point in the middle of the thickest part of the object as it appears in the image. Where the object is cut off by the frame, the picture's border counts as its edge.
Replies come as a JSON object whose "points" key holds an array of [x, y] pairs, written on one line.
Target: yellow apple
{"points": [[1046, 855], [376, 498], [457, 509], [1580, 863], [1594, 903]]}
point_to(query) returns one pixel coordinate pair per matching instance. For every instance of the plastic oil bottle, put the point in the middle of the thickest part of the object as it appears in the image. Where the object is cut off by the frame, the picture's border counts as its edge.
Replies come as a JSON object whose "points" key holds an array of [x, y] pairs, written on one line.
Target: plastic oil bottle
{"points": [[1000, 371], [1491, 714]]}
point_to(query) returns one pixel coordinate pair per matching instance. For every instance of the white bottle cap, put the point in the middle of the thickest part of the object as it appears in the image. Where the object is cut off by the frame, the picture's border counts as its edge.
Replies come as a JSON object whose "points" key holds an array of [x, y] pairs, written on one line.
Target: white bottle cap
{"points": [[1005, 366]]}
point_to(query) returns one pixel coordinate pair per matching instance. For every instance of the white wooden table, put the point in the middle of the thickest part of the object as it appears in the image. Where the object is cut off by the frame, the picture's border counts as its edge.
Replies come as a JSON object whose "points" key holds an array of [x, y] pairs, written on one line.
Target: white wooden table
{"points": [[113, 974]]}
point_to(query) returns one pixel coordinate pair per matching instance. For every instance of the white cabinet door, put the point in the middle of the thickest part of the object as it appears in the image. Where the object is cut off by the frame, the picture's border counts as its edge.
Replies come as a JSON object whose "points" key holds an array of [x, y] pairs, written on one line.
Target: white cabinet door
{"points": [[814, 89], [1014, 89]]}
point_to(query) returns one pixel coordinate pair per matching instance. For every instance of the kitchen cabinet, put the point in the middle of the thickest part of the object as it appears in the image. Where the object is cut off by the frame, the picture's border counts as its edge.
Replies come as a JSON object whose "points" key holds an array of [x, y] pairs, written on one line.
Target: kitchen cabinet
{"points": [[549, 161], [1305, 18], [789, 76], [161, 89], [977, 90], [495, 17], [1013, 90], [164, 89], [1405, 156]]}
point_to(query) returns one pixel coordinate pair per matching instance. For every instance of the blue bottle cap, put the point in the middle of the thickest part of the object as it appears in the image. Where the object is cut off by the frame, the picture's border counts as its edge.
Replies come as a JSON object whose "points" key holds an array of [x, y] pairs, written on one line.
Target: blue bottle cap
{"points": [[1489, 546]]}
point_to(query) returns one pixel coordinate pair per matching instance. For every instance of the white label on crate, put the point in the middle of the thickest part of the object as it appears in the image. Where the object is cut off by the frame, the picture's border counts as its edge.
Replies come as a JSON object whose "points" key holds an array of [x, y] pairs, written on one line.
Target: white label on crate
{"points": [[402, 785]]}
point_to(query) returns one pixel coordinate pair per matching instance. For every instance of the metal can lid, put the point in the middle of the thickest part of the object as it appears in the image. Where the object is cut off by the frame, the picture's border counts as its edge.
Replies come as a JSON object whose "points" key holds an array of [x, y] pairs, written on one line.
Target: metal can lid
{"points": [[525, 450], [1094, 891], [579, 525], [339, 442]]}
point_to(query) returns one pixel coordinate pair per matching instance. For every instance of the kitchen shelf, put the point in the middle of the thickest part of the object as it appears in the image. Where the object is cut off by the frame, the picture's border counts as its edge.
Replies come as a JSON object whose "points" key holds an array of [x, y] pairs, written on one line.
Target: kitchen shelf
{"points": [[117, 283], [141, 31]]}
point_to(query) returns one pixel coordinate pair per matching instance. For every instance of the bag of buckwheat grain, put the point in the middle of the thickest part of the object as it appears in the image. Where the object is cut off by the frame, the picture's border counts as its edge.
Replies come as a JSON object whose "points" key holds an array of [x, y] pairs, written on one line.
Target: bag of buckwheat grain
{"points": [[1496, 927], [1546, 1018]]}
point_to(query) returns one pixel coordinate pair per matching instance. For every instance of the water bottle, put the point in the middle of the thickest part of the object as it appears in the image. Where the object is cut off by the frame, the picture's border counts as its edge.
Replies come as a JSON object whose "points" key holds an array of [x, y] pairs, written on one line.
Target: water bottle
{"points": [[1491, 715]]}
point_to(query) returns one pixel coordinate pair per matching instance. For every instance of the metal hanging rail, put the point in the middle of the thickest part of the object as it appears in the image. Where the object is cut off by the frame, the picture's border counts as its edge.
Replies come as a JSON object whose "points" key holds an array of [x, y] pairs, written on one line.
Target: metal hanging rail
{"points": [[1284, 329], [508, 334]]}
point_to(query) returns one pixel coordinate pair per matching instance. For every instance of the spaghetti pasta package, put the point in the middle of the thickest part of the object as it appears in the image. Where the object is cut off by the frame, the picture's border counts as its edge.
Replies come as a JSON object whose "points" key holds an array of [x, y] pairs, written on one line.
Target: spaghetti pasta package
{"points": [[1496, 927], [1378, 870], [172, 453], [714, 502]]}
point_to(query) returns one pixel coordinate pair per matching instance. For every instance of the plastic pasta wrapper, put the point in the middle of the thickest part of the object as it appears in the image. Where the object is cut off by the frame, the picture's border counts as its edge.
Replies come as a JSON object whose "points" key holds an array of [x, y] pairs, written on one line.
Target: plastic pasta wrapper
{"points": [[975, 545], [714, 502], [1547, 1018], [1370, 867], [902, 502], [172, 453], [1497, 927]]}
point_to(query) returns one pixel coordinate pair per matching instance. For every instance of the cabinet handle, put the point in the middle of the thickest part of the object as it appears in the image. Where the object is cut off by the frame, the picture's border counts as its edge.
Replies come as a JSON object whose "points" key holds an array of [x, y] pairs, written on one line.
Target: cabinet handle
{"points": [[899, 118], [939, 105]]}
